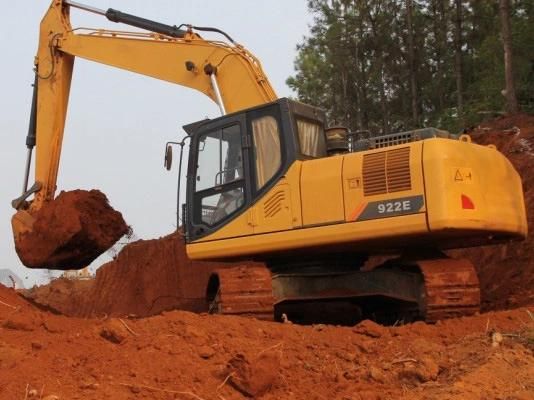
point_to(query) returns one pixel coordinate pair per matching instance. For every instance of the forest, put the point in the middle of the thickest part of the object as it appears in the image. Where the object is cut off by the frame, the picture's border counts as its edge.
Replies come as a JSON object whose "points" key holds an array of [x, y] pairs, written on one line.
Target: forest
{"points": [[391, 65]]}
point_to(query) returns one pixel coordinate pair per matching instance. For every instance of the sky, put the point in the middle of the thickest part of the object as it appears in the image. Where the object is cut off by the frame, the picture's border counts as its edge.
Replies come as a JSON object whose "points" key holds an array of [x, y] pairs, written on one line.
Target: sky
{"points": [[117, 121]]}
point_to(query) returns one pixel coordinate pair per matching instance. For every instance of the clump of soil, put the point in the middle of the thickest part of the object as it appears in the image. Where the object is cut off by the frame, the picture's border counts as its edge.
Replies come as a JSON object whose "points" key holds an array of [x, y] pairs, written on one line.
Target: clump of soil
{"points": [[71, 231], [255, 378]]}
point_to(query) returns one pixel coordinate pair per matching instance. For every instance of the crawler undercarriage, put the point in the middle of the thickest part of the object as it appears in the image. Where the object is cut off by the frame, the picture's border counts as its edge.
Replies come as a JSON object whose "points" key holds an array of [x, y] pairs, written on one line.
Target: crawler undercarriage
{"points": [[397, 290]]}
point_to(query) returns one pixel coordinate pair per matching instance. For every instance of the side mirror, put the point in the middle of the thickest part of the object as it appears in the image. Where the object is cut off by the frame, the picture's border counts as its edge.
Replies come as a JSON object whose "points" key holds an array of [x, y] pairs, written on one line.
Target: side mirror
{"points": [[168, 158]]}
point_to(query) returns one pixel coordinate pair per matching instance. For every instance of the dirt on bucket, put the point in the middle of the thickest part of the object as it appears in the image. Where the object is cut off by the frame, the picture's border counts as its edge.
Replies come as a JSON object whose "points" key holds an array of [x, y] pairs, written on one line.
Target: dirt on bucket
{"points": [[71, 231]]}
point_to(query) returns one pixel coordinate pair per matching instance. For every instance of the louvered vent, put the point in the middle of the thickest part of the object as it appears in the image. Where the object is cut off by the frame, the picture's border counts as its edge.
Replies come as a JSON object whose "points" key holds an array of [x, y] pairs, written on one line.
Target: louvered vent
{"points": [[392, 140], [273, 205], [386, 172], [374, 174]]}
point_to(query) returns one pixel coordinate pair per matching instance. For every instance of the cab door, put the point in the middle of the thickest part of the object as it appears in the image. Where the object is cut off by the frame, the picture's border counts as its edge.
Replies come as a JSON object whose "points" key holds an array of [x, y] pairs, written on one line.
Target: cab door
{"points": [[219, 172]]}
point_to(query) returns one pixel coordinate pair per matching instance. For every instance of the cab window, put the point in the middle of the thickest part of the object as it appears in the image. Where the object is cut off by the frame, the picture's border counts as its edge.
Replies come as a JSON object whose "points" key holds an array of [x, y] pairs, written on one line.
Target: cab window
{"points": [[219, 174], [218, 206], [267, 150], [311, 138]]}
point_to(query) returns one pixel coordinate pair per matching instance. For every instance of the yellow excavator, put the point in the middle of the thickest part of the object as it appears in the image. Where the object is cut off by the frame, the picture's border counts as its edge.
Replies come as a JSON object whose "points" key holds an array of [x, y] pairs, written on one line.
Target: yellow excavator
{"points": [[269, 181]]}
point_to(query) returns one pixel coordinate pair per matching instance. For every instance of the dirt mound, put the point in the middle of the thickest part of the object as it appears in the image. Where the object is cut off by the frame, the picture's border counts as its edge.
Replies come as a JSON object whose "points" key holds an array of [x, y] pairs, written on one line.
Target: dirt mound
{"points": [[506, 272], [63, 296], [146, 278], [181, 355], [71, 231]]}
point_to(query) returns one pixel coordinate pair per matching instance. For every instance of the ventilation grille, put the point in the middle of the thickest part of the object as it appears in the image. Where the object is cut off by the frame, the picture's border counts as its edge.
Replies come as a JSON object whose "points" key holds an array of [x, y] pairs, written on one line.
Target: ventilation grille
{"points": [[386, 172], [392, 140], [274, 204]]}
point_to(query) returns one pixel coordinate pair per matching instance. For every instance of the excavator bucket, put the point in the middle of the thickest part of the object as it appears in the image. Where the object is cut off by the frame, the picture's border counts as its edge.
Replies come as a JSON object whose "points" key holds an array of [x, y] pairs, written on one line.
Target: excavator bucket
{"points": [[68, 232]]}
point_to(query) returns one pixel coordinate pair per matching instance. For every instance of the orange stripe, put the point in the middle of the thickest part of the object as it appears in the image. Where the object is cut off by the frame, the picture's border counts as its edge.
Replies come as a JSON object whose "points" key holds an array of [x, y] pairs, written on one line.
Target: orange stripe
{"points": [[356, 213]]}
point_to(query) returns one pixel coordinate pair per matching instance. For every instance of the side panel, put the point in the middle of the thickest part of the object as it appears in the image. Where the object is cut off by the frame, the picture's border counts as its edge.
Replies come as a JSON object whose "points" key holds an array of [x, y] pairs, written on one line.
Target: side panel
{"points": [[321, 191], [383, 183], [280, 208]]}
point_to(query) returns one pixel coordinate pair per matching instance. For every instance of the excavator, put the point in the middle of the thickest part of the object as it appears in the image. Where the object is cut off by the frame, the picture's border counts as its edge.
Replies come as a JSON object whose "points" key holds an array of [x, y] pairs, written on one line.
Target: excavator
{"points": [[270, 181]]}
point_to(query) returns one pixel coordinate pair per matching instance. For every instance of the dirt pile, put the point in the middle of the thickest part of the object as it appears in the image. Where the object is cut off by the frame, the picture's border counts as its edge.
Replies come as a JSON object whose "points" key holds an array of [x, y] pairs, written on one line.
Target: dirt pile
{"points": [[181, 355], [71, 231], [146, 278], [506, 272]]}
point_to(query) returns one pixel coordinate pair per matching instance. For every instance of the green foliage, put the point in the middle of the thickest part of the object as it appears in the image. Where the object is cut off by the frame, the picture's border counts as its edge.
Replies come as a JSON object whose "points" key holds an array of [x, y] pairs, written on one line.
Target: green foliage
{"points": [[355, 62]]}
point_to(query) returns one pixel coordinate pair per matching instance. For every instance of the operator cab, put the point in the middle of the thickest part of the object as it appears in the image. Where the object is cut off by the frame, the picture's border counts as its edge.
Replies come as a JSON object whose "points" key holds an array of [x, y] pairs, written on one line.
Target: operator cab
{"points": [[236, 158]]}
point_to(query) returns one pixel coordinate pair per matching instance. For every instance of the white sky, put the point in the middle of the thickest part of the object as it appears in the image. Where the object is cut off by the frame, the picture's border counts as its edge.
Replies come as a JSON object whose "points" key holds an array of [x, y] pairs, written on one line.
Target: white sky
{"points": [[118, 122]]}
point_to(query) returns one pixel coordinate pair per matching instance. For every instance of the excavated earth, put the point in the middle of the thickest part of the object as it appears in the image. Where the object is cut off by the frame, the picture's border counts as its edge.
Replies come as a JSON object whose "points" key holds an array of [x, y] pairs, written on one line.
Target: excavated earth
{"points": [[182, 355], [71, 231], [146, 278], [132, 347]]}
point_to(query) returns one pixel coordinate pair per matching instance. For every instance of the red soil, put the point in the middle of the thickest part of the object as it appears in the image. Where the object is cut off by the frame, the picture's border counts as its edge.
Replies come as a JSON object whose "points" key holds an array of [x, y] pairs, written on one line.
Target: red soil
{"points": [[71, 231], [146, 278], [180, 355]]}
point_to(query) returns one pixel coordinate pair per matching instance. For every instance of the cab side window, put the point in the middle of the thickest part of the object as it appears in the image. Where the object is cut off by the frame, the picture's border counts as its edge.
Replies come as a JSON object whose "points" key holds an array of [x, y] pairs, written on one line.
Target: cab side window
{"points": [[267, 149], [312, 138]]}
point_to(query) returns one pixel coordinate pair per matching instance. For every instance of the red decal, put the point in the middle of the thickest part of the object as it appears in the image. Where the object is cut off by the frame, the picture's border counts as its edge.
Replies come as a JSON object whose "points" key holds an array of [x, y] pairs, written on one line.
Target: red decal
{"points": [[467, 203]]}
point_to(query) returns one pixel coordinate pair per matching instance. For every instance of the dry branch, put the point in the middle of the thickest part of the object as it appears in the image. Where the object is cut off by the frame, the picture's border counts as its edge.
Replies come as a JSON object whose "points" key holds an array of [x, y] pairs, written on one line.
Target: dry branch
{"points": [[272, 348], [128, 328], [224, 382], [8, 305], [404, 360]]}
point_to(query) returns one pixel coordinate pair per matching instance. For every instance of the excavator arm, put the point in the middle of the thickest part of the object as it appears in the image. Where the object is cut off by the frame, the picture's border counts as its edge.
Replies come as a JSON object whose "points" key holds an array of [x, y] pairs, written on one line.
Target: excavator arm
{"points": [[223, 70]]}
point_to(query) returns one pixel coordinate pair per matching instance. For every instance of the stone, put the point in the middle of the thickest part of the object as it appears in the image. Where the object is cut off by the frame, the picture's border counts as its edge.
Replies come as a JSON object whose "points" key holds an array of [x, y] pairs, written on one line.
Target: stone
{"points": [[114, 332], [254, 378], [377, 375], [370, 329], [206, 352]]}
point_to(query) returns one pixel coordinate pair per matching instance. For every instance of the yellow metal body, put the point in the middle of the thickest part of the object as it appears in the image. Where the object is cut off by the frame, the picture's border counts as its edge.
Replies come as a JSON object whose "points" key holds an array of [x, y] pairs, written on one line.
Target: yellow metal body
{"points": [[455, 194]]}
